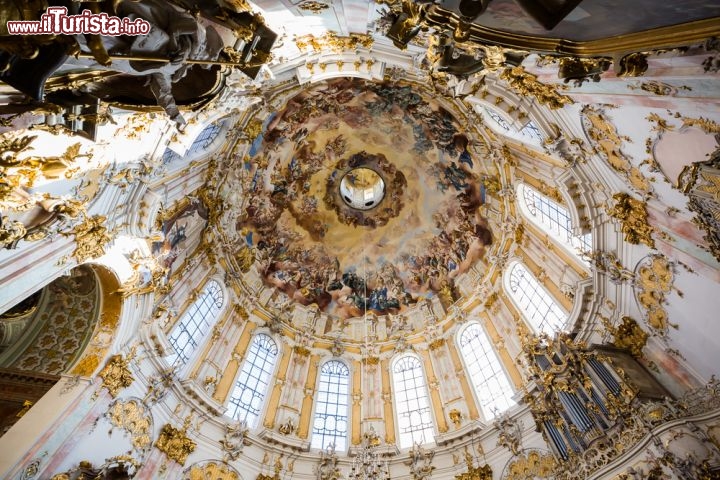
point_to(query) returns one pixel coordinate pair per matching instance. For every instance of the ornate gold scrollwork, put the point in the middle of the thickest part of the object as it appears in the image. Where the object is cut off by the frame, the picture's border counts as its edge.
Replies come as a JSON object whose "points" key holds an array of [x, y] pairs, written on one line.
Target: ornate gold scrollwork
{"points": [[174, 443], [116, 375], [608, 143], [313, 6], [91, 236], [628, 335], [632, 214], [132, 417], [701, 183], [528, 466], [332, 41], [526, 83], [633, 65], [654, 280], [211, 469], [581, 70]]}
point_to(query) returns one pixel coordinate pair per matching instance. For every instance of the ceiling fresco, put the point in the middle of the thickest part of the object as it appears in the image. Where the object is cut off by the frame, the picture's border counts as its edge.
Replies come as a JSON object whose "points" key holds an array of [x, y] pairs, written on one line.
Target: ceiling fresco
{"points": [[424, 229]]}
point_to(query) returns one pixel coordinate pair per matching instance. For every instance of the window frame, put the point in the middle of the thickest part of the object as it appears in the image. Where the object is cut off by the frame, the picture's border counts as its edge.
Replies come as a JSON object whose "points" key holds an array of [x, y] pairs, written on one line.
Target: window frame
{"points": [[554, 232], [487, 413], [270, 376], [536, 328], [348, 407], [189, 313], [394, 386]]}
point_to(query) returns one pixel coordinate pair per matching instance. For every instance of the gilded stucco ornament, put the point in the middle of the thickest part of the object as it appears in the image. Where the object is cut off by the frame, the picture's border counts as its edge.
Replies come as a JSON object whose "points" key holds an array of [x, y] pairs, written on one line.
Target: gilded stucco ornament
{"points": [[653, 282], [608, 143], [581, 70], [608, 264], [328, 468], [134, 418], [420, 462], [456, 417], [509, 433], [91, 236], [116, 374], [530, 465], [481, 472], [234, 441], [701, 183], [633, 217], [313, 6], [212, 469], [627, 335], [332, 41], [526, 83], [633, 65], [174, 443]]}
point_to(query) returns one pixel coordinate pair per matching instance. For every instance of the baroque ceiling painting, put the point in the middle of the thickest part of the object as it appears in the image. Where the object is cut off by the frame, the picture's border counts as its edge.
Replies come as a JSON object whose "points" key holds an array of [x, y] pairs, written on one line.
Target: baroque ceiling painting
{"points": [[425, 229]]}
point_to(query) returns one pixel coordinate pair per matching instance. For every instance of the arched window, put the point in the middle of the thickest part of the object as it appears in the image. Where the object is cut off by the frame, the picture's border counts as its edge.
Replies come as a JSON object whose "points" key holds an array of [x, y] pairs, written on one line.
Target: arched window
{"points": [[530, 133], [201, 143], [537, 305], [554, 219], [412, 405], [251, 387], [194, 325], [490, 381], [331, 407]]}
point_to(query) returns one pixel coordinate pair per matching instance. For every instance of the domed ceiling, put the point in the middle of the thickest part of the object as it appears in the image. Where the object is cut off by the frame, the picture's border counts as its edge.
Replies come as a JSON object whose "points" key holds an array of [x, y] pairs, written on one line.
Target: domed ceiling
{"points": [[406, 221]]}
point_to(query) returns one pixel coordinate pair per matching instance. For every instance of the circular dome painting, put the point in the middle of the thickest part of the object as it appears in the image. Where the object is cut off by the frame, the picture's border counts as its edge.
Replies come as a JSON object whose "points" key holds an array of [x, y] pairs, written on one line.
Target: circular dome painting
{"points": [[363, 197]]}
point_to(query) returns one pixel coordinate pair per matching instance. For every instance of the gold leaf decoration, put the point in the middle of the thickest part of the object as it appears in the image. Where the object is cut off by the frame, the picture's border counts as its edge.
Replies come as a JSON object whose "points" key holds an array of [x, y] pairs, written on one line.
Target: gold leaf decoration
{"points": [[132, 417], [211, 470], [116, 375], [632, 214], [174, 443], [628, 335], [526, 83], [91, 236]]}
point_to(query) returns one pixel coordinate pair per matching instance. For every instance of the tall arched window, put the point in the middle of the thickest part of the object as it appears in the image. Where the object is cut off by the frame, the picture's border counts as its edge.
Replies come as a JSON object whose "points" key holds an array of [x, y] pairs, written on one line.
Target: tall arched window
{"points": [[412, 405], [537, 305], [251, 387], [553, 218], [487, 375], [195, 324], [331, 407]]}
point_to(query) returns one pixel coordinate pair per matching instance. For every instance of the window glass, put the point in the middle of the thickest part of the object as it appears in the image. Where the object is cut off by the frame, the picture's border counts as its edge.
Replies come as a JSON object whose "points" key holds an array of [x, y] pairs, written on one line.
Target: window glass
{"points": [[536, 304], [195, 324], [331, 407], [246, 400], [554, 219], [490, 381], [411, 402]]}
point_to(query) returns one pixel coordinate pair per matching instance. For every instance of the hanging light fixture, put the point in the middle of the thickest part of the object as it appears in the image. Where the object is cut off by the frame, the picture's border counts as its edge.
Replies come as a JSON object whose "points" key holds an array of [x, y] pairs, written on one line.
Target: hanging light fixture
{"points": [[367, 465]]}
